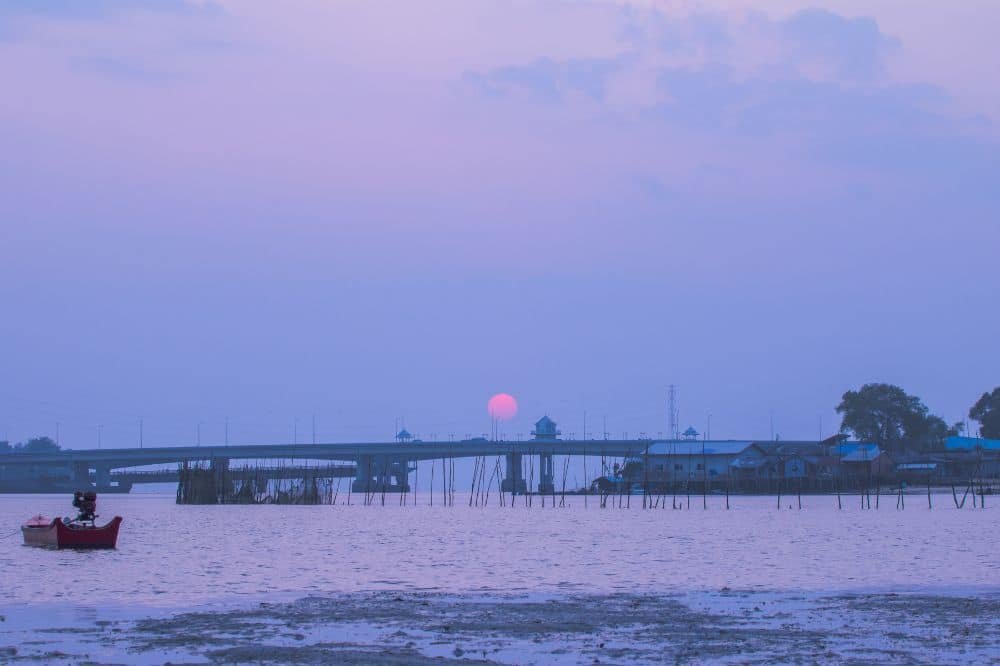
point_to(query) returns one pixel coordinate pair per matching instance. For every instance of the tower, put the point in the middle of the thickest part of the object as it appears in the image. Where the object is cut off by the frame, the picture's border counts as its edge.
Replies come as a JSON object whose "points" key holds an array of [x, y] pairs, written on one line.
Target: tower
{"points": [[672, 412]]}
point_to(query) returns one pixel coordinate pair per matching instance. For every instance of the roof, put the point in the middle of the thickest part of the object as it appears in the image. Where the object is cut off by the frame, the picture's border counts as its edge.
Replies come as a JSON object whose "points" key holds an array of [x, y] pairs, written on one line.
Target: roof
{"points": [[971, 444], [690, 432], [858, 452], [686, 447], [749, 462], [769, 447], [544, 421], [916, 467], [403, 434], [800, 449]]}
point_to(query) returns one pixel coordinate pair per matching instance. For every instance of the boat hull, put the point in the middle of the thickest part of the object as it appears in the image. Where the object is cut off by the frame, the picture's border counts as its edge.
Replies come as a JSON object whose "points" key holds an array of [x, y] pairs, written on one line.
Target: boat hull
{"points": [[58, 534]]}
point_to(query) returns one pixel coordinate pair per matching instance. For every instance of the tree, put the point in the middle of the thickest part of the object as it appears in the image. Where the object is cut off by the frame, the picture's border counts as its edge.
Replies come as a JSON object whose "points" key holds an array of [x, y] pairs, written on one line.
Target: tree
{"points": [[886, 415], [987, 412], [931, 432], [39, 445]]}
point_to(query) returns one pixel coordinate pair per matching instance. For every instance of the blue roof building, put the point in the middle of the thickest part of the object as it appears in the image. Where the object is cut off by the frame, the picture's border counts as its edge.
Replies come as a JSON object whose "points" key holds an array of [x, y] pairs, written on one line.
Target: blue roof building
{"points": [[545, 428], [971, 444]]}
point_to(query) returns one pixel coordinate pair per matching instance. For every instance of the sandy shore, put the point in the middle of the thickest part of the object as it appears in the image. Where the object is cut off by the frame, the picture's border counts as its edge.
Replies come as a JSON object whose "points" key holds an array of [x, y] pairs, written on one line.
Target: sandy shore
{"points": [[388, 628]]}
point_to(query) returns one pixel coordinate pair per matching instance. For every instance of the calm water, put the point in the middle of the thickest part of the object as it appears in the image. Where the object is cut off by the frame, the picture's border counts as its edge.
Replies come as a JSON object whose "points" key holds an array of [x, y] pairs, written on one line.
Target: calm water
{"points": [[177, 556]]}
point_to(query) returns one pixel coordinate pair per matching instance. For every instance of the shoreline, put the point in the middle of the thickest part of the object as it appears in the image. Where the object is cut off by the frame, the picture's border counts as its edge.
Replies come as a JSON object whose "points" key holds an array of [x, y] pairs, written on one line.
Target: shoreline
{"points": [[394, 627]]}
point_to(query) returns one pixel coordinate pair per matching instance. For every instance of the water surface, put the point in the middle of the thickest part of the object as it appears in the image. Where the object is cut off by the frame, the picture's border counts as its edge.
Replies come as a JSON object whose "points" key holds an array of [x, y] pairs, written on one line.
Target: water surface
{"points": [[178, 556]]}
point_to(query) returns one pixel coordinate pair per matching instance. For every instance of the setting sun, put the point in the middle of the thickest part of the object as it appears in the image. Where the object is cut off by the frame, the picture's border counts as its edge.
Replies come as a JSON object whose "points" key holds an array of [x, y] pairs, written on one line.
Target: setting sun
{"points": [[502, 406]]}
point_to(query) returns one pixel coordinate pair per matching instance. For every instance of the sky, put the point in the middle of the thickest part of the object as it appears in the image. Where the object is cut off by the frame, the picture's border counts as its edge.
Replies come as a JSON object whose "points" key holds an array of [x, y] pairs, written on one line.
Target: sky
{"points": [[366, 214]]}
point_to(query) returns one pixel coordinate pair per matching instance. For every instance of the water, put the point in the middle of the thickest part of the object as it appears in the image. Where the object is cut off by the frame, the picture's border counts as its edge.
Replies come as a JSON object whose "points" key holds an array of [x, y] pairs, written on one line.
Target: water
{"points": [[182, 556]]}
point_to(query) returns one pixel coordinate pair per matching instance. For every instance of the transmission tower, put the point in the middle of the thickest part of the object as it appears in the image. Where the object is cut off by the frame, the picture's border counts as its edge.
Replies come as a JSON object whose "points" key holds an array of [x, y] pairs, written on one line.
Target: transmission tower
{"points": [[672, 412]]}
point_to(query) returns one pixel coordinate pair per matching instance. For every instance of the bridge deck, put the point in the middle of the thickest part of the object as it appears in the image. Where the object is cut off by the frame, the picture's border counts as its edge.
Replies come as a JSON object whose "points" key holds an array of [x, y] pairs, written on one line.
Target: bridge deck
{"points": [[346, 452]]}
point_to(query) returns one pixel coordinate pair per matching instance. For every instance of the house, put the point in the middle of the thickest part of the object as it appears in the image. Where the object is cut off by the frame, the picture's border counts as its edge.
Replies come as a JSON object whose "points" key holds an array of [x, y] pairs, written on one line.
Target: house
{"points": [[784, 460], [799, 460], [863, 459], [971, 444], [973, 456], [755, 462], [679, 460]]}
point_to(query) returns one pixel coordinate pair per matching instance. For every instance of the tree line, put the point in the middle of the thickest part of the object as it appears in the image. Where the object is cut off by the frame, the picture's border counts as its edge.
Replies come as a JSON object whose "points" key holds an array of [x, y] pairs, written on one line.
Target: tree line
{"points": [[33, 445], [887, 415]]}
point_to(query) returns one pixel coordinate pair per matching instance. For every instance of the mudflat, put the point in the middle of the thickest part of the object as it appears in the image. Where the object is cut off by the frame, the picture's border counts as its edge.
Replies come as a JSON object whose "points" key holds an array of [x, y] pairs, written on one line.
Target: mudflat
{"points": [[414, 628]]}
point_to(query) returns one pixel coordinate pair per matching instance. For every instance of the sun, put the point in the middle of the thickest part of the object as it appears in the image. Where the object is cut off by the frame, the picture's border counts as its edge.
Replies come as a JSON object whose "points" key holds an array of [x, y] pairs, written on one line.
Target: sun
{"points": [[502, 407]]}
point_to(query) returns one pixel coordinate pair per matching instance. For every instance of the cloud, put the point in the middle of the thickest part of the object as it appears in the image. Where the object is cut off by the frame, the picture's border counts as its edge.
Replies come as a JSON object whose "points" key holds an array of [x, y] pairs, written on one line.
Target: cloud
{"points": [[19, 19], [812, 44], [546, 80], [854, 47], [93, 9], [811, 82]]}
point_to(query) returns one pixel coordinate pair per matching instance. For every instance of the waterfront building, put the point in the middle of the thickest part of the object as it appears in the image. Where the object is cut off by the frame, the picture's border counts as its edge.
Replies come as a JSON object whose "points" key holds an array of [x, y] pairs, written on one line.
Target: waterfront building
{"points": [[971, 444], [672, 461], [861, 459], [973, 456], [545, 428]]}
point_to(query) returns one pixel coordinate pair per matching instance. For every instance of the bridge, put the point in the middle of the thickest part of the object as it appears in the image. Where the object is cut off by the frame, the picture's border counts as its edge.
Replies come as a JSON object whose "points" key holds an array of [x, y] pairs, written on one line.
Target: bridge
{"points": [[383, 465]]}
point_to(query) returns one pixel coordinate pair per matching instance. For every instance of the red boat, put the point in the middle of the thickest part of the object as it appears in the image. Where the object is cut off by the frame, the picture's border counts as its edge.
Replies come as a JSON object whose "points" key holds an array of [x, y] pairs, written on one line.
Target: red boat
{"points": [[79, 532]]}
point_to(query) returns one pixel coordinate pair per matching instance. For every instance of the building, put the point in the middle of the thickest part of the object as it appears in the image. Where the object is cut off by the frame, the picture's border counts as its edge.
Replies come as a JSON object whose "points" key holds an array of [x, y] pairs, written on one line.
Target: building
{"points": [[863, 459], [806, 460], [755, 463], [973, 457], [971, 444], [674, 461], [545, 428]]}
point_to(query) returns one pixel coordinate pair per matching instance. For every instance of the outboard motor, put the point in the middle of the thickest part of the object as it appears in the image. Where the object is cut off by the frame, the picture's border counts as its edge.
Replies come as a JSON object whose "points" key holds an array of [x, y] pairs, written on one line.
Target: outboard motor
{"points": [[86, 503]]}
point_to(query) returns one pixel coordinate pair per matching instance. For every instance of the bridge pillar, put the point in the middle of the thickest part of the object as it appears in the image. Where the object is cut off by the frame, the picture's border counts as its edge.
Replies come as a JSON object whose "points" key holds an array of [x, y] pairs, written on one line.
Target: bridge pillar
{"points": [[513, 480], [102, 479], [400, 474], [381, 473], [546, 474], [363, 474]]}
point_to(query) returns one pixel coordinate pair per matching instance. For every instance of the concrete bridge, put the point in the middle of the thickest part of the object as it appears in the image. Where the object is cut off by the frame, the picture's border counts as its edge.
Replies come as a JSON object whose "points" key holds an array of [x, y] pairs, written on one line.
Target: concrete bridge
{"points": [[376, 465]]}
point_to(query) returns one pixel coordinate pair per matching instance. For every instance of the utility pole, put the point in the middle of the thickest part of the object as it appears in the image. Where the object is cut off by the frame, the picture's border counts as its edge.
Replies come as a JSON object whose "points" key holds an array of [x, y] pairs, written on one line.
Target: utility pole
{"points": [[99, 429], [227, 431], [314, 428], [672, 412], [199, 433], [57, 433], [140, 433]]}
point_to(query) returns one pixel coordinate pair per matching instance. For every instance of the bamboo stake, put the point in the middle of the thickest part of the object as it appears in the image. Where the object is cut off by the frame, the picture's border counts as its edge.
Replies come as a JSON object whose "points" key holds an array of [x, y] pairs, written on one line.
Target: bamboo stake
{"points": [[475, 471]]}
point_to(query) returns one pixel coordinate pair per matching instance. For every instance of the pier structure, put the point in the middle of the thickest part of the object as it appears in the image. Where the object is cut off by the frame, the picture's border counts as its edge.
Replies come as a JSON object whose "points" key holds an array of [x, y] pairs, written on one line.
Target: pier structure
{"points": [[546, 431], [381, 473], [513, 481]]}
